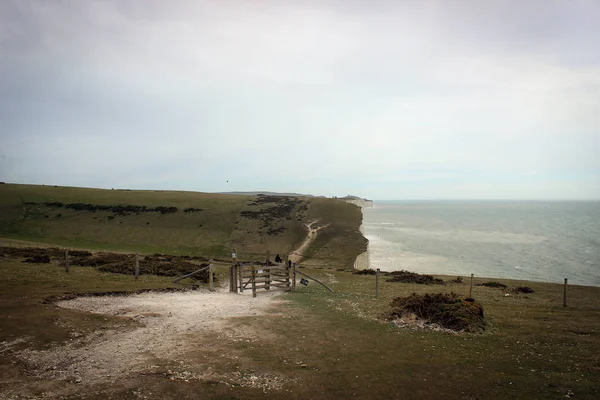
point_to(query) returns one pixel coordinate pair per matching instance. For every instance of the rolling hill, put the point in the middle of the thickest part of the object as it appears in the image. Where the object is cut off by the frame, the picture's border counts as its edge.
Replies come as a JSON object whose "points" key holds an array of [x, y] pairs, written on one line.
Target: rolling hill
{"points": [[180, 223]]}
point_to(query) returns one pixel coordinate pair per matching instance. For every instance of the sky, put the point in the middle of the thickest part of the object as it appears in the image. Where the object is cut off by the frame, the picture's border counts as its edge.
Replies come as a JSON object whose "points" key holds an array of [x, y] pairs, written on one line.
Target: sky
{"points": [[381, 99]]}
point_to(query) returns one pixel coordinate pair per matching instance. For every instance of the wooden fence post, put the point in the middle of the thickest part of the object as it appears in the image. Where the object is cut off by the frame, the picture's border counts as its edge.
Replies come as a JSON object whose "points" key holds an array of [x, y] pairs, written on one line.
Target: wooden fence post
{"points": [[241, 277], [287, 274], [253, 281], [565, 294], [236, 274], [210, 277], [233, 271], [267, 278], [66, 260], [294, 277], [471, 288], [377, 283], [137, 266]]}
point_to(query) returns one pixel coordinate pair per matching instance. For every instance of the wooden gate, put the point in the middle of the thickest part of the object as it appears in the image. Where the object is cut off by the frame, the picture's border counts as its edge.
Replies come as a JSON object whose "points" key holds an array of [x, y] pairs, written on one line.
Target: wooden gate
{"points": [[254, 277]]}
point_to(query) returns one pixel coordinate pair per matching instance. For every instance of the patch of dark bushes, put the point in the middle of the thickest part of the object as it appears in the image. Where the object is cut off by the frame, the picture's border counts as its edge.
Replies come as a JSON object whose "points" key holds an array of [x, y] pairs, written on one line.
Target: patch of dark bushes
{"points": [[412, 277], [367, 271], [164, 210], [524, 289], [191, 209], [252, 214], [458, 279], [280, 207], [99, 259], [153, 266], [116, 209], [79, 253], [38, 259], [447, 310], [32, 252], [276, 231], [156, 264], [492, 284]]}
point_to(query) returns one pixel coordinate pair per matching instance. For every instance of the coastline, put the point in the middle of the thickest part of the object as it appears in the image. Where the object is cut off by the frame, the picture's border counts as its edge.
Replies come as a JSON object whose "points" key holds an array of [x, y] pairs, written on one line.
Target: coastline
{"points": [[491, 249], [363, 260]]}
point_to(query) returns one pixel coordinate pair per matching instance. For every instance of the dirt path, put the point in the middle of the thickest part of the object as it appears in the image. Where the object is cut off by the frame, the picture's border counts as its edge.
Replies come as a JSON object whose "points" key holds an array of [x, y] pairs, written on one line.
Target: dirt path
{"points": [[170, 325], [297, 255]]}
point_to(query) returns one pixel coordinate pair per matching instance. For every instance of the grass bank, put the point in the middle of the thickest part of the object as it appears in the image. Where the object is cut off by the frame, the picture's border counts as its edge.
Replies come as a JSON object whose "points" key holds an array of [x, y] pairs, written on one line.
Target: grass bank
{"points": [[179, 223], [326, 345]]}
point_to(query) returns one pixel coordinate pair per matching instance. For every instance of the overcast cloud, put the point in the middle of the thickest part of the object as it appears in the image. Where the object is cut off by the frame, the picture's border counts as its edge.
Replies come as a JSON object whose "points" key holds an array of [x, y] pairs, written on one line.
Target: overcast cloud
{"points": [[383, 99]]}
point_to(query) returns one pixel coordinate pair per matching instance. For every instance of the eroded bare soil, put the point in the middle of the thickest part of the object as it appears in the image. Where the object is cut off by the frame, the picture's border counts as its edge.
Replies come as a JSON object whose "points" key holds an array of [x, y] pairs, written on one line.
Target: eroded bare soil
{"points": [[181, 336]]}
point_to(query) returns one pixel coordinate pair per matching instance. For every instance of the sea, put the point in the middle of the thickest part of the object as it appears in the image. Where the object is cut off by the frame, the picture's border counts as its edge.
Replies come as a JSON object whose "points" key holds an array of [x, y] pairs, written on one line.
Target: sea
{"points": [[545, 241]]}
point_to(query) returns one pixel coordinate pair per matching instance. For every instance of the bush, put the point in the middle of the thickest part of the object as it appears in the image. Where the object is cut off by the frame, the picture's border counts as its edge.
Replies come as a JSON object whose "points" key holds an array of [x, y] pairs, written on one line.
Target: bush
{"points": [[492, 284], [524, 289], [447, 310], [119, 209], [38, 259], [412, 277], [154, 266], [367, 271]]}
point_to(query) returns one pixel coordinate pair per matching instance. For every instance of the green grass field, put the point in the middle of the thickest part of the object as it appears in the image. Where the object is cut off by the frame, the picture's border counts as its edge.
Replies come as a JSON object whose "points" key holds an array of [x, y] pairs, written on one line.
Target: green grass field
{"points": [[326, 345], [222, 224]]}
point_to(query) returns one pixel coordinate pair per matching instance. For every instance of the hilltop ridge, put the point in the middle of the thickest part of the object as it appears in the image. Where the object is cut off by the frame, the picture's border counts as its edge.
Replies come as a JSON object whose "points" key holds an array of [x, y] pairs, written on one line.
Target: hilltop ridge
{"points": [[359, 201], [181, 223]]}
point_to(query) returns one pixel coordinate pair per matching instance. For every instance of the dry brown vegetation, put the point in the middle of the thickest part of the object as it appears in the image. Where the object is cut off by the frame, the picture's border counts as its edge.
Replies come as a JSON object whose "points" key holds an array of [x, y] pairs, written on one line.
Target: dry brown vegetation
{"points": [[447, 310]]}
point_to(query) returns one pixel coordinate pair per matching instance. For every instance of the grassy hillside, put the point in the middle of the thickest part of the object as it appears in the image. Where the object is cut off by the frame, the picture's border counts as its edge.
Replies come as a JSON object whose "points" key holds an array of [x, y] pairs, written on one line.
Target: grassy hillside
{"points": [[342, 239], [323, 345], [185, 223]]}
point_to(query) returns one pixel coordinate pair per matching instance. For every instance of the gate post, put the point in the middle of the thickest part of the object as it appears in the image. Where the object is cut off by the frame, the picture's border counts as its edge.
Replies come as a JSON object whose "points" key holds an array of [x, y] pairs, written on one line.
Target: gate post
{"points": [[268, 278], [294, 277], [241, 277], [287, 274], [235, 277]]}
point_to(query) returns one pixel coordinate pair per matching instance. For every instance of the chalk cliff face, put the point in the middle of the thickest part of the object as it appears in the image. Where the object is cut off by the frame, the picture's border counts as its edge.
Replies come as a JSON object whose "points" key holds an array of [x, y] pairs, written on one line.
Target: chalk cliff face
{"points": [[363, 203], [362, 261]]}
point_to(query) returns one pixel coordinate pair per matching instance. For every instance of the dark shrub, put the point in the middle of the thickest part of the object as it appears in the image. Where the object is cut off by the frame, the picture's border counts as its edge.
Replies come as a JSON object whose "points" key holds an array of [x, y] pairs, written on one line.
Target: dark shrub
{"points": [[524, 289], [444, 309], [492, 284], [40, 259], [412, 277], [367, 271]]}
